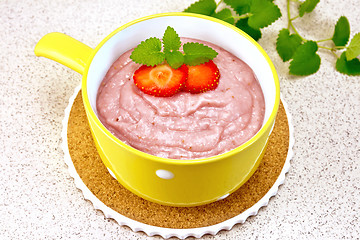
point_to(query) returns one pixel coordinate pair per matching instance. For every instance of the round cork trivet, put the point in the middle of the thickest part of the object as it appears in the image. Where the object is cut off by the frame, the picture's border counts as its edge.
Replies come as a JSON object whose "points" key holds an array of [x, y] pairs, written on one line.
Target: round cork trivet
{"points": [[103, 186]]}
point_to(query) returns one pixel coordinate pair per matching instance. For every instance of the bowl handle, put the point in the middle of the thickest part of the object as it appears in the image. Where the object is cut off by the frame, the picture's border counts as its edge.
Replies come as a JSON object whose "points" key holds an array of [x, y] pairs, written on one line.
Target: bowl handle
{"points": [[65, 50]]}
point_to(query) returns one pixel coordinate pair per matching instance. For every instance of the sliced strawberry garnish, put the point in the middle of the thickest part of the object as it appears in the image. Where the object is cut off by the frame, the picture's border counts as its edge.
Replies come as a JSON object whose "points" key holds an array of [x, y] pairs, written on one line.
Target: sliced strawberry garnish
{"points": [[160, 80], [202, 78]]}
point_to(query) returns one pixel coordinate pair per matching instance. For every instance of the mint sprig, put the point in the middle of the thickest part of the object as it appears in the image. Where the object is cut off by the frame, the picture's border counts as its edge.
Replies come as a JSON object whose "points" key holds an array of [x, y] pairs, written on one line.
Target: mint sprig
{"points": [[252, 16], [197, 53], [153, 51], [248, 15], [148, 51], [172, 44], [171, 40], [302, 52]]}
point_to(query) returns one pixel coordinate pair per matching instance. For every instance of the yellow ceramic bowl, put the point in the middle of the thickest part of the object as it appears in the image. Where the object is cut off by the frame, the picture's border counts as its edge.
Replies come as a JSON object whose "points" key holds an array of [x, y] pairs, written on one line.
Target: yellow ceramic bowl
{"points": [[169, 181]]}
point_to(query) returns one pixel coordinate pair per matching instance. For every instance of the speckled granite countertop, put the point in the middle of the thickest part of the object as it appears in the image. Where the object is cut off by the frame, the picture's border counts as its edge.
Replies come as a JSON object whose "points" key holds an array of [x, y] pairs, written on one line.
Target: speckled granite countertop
{"points": [[321, 195]]}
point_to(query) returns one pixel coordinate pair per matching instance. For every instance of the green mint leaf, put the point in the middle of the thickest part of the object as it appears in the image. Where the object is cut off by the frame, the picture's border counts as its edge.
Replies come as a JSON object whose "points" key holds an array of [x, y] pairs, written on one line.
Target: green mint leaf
{"points": [[171, 40], [307, 6], [353, 50], [287, 44], [205, 7], [263, 13], [174, 58], [351, 67], [197, 53], [225, 15], [243, 25], [148, 52], [342, 32], [305, 60], [240, 6]]}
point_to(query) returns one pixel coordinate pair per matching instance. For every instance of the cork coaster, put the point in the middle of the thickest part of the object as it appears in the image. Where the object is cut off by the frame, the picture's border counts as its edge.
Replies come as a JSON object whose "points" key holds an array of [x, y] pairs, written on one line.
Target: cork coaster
{"points": [[105, 188]]}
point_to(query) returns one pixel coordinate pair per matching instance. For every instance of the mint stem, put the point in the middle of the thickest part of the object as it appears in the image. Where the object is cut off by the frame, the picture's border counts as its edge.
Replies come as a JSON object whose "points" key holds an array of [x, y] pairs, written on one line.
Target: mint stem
{"points": [[324, 40], [290, 24], [340, 47], [327, 48], [246, 15], [291, 19], [331, 50]]}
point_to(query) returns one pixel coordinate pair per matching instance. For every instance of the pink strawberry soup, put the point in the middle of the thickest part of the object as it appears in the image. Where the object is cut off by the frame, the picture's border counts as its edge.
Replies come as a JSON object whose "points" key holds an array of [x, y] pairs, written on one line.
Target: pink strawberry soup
{"points": [[184, 126]]}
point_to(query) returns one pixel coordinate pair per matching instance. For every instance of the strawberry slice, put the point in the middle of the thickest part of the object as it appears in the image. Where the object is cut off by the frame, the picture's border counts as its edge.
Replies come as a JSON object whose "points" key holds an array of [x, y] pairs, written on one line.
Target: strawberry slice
{"points": [[202, 78], [160, 80]]}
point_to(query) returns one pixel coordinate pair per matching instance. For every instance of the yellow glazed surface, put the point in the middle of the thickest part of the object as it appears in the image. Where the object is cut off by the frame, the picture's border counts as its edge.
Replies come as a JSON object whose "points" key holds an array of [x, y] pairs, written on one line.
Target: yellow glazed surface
{"points": [[165, 181]]}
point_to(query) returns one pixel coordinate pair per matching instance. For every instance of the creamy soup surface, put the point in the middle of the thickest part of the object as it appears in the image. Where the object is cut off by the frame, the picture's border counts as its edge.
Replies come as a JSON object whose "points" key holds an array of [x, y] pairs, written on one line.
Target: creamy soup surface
{"points": [[184, 126]]}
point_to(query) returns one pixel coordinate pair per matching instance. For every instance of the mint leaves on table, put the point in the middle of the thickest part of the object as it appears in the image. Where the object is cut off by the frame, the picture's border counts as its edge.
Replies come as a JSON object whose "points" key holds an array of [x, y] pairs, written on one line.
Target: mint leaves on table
{"points": [[342, 32], [250, 15], [305, 60], [262, 13], [349, 67], [205, 7], [225, 15], [253, 15], [353, 50], [152, 51], [307, 6], [287, 44], [302, 52]]}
